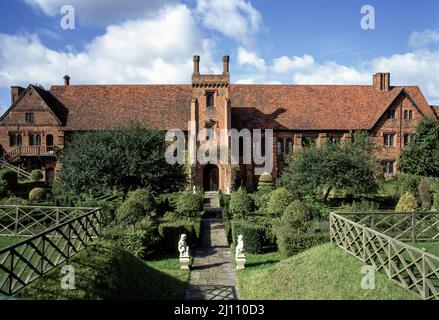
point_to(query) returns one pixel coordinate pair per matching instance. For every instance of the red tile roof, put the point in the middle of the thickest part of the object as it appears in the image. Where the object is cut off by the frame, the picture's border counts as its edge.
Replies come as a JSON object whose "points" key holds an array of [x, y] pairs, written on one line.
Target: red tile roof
{"points": [[293, 107]]}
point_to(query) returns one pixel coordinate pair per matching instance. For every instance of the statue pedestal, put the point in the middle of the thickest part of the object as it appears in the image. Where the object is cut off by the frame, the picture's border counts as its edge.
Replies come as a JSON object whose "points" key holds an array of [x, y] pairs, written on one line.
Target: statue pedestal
{"points": [[240, 262], [184, 262]]}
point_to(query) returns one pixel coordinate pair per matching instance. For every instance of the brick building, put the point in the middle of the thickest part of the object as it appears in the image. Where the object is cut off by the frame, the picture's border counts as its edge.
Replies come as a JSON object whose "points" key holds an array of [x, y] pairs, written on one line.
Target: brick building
{"points": [[34, 129]]}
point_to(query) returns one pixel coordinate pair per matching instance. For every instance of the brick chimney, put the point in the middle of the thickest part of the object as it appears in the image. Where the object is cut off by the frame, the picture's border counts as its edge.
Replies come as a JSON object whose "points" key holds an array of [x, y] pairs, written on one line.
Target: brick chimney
{"points": [[381, 81], [197, 65], [16, 92], [66, 80], [226, 65]]}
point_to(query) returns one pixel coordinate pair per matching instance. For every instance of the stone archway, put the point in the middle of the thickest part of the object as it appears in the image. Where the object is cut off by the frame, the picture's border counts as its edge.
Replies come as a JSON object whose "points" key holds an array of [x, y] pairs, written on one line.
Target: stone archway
{"points": [[211, 178]]}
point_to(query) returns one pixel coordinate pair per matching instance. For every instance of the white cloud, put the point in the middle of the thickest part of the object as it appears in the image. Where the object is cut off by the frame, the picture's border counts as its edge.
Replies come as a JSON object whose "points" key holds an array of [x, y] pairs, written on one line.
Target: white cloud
{"points": [[247, 58], [236, 19], [424, 38], [285, 65], [101, 11], [139, 51]]}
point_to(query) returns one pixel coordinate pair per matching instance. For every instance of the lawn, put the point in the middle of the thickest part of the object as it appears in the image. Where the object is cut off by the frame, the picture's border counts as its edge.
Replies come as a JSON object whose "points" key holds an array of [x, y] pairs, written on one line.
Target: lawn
{"points": [[322, 273], [432, 247], [7, 241], [106, 272]]}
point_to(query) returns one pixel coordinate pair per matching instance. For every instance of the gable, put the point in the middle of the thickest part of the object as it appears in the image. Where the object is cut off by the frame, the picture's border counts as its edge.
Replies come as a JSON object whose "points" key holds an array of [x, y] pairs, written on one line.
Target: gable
{"points": [[31, 101]]}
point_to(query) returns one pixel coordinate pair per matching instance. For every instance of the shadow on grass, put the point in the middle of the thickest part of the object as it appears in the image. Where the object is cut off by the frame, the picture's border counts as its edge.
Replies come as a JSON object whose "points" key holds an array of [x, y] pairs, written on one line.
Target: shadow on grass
{"points": [[261, 263], [106, 272]]}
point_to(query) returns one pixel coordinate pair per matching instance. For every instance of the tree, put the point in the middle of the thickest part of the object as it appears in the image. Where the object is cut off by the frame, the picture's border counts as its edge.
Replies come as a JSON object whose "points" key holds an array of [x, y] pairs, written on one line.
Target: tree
{"points": [[127, 158], [421, 156], [240, 204], [314, 170]]}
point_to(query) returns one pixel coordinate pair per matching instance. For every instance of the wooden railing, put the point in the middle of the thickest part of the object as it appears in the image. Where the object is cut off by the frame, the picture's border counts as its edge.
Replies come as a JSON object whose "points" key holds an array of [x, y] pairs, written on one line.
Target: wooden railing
{"points": [[26, 261], [32, 151], [413, 269], [414, 227], [30, 220]]}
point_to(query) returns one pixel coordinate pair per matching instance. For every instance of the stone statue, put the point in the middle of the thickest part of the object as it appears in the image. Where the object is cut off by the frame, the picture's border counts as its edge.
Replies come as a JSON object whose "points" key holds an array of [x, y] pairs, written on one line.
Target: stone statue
{"points": [[240, 246], [194, 190], [239, 255], [183, 247]]}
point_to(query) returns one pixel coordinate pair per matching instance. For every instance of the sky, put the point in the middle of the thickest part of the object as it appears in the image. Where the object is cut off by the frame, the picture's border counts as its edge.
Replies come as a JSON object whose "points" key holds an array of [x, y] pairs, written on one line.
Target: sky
{"points": [[277, 41]]}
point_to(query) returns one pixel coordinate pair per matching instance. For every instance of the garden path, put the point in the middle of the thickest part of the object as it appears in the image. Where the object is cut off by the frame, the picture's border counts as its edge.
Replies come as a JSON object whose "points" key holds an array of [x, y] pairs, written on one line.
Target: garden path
{"points": [[212, 276]]}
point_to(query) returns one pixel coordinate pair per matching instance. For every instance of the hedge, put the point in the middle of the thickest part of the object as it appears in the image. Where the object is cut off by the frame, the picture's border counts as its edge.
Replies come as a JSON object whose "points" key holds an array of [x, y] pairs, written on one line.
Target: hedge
{"points": [[9, 180], [170, 234], [257, 237], [290, 242], [139, 205]]}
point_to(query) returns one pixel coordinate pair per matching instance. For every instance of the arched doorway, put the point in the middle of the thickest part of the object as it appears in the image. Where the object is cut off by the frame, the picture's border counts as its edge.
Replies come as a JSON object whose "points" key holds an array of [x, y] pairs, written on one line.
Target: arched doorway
{"points": [[211, 178]]}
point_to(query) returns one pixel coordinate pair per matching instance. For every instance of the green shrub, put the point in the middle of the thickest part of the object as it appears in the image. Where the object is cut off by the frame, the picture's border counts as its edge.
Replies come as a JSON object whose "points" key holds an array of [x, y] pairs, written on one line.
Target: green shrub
{"points": [[278, 202], [13, 201], [170, 234], [266, 180], [261, 198], [436, 201], [37, 194], [138, 206], [407, 203], [290, 242], [189, 205], [240, 204], [407, 183], [142, 239], [297, 216], [9, 181], [256, 237], [36, 175], [362, 206], [424, 193], [227, 225], [171, 217]]}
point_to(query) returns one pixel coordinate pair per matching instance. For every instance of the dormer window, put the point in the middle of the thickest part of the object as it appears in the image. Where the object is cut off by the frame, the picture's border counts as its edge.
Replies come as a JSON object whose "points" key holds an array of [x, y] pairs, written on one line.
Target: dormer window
{"points": [[391, 114], [30, 118], [210, 99]]}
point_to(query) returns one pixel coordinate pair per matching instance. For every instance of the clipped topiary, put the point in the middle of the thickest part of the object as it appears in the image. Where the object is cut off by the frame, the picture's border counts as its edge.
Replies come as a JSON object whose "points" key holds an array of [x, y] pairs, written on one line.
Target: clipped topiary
{"points": [[37, 194], [10, 180], [266, 180], [424, 193], [36, 175], [240, 204], [138, 206], [279, 200], [189, 205], [407, 203], [296, 215]]}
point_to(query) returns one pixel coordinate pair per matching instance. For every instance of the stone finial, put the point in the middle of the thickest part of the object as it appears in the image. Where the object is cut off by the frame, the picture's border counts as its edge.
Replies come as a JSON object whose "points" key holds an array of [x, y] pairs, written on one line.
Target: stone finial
{"points": [[66, 80], [183, 248], [239, 254]]}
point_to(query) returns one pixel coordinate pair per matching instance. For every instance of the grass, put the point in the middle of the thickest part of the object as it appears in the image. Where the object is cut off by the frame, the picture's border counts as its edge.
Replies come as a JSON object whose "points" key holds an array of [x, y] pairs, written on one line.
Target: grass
{"points": [[432, 247], [7, 241], [106, 272], [322, 273]]}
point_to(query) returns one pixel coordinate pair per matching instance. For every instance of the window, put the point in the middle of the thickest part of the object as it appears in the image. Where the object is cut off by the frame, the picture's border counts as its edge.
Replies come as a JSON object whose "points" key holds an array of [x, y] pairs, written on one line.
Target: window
{"points": [[309, 142], [34, 139], [406, 114], [389, 168], [29, 118], [410, 115], [210, 99], [334, 140], [389, 140], [289, 145], [280, 146], [15, 140], [391, 114]]}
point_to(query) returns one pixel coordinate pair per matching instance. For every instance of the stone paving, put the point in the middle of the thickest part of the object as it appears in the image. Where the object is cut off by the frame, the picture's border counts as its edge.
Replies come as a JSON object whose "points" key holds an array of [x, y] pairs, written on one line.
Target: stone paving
{"points": [[212, 276]]}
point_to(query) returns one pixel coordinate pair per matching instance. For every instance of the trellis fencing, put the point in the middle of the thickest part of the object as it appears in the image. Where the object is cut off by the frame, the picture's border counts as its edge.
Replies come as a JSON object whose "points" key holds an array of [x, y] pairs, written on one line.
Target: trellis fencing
{"points": [[26, 261], [412, 268]]}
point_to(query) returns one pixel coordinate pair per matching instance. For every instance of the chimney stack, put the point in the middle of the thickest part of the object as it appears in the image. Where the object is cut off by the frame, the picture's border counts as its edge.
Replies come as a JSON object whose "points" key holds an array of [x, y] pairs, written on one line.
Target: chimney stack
{"points": [[16, 92], [197, 65], [381, 81], [66, 80], [226, 65]]}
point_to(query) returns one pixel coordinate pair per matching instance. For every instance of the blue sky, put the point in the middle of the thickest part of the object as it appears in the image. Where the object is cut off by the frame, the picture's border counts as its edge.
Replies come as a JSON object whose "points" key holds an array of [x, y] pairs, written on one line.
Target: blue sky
{"points": [[278, 41]]}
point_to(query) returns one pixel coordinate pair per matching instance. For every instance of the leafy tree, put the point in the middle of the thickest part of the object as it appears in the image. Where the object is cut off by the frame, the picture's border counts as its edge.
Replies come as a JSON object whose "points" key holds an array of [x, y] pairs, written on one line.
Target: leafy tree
{"points": [[407, 203], [278, 202], [126, 158], [421, 157], [314, 170], [240, 204]]}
